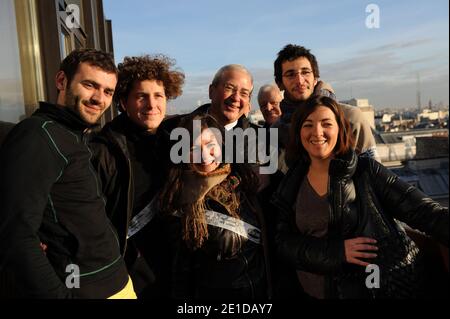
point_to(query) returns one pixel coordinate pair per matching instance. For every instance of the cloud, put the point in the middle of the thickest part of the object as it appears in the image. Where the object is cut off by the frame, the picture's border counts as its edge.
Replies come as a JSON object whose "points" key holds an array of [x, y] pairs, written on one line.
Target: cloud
{"points": [[399, 45], [401, 95], [389, 78], [381, 74], [195, 93]]}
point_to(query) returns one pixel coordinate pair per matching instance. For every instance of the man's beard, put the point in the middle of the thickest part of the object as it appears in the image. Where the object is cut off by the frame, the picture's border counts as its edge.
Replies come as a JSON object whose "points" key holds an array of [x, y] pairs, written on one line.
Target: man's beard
{"points": [[291, 98], [74, 102]]}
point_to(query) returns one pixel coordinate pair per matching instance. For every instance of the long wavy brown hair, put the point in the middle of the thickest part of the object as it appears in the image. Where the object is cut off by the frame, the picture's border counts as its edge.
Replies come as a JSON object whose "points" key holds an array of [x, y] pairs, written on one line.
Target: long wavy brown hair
{"points": [[194, 227]]}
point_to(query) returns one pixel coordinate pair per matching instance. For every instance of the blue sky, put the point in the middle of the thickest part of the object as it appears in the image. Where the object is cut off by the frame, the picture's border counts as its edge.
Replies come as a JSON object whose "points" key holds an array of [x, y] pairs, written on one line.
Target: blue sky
{"points": [[379, 64]]}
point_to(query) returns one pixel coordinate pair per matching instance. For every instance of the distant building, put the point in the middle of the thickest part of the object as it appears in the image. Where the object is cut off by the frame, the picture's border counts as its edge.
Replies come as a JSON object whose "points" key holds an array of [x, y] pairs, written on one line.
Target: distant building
{"points": [[387, 118], [256, 117], [393, 147], [428, 114], [365, 107], [428, 170], [36, 35], [431, 147]]}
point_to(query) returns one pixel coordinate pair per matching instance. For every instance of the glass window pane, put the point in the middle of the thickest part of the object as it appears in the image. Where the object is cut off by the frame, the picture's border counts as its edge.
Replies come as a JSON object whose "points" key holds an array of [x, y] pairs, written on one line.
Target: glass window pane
{"points": [[12, 107], [65, 43]]}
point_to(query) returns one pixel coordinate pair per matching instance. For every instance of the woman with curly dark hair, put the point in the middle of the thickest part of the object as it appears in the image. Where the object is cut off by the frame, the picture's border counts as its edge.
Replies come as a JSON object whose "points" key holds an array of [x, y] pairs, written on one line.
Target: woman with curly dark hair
{"points": [[218, 241], [336, 214]]}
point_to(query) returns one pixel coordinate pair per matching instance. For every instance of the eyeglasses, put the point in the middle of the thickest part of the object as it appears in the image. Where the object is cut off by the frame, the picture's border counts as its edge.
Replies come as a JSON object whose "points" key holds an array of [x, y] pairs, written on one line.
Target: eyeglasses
{"points": [[229, 88], [291, 74]]}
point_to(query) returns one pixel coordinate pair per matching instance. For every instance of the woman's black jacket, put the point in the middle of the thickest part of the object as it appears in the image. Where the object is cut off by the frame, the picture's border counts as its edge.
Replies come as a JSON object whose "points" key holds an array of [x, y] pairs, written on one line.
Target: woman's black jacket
{"points": [[364, 199]]}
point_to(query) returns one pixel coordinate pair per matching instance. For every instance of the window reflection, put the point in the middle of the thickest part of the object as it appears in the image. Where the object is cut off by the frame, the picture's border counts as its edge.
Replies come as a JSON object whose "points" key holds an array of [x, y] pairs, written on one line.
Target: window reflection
{"points": [[11, 92]]}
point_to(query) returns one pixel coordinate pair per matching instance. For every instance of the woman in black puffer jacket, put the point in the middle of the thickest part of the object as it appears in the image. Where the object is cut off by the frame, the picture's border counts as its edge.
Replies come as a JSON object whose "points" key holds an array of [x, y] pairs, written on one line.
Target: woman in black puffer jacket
{"points": [[337, 211]]}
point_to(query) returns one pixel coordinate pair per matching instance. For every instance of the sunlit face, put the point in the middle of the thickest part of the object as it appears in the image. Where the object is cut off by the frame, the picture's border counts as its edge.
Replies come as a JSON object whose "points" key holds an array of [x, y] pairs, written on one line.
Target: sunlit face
{"points": [[319, 134], [206, 152], [269, 103], [230, 98], [89, 93], [146, 104], [298, 79]]}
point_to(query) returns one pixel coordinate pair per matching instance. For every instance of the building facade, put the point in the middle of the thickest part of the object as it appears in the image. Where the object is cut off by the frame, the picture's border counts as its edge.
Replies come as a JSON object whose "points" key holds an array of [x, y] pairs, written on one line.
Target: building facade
{"points": [[401, 146]]}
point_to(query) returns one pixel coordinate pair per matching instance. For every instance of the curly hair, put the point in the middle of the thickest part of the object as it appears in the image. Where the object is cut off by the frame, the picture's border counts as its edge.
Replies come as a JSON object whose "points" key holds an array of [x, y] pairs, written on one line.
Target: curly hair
{"points": [[148, 67]]}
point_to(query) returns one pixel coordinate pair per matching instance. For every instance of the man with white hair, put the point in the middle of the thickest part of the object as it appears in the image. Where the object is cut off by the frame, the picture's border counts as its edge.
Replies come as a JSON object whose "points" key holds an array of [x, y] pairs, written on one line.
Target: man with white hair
{"points": [[269, 99], [230, 93]]}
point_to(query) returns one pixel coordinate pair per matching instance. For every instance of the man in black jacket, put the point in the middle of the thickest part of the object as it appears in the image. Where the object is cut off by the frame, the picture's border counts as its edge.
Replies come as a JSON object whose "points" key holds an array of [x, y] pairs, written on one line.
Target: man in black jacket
{"points": [[230, 93], [55, 236], [5, 127], [127, 158]]}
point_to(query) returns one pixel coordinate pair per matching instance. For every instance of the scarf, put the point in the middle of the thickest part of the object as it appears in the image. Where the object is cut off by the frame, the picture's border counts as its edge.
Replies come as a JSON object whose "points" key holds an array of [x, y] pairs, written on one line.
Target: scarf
{"points": [[198, 187]]}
